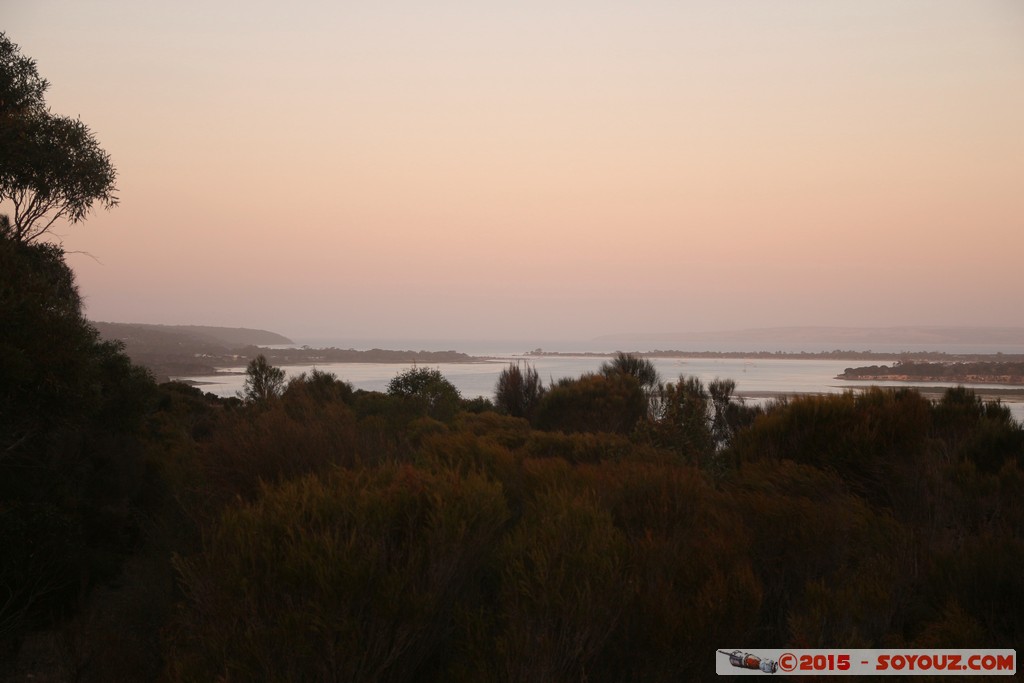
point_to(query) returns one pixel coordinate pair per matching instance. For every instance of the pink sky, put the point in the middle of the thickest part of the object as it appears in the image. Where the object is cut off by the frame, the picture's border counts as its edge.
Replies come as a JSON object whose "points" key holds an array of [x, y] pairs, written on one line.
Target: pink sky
{"points": [[463, 169]]}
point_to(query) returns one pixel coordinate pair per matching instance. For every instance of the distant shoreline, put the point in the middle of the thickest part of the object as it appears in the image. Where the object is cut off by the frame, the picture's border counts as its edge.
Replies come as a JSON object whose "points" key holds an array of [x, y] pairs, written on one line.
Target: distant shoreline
{"points": [[1006, 395], [936, 356], [186, 351], [938, 379], [1002, 370]]}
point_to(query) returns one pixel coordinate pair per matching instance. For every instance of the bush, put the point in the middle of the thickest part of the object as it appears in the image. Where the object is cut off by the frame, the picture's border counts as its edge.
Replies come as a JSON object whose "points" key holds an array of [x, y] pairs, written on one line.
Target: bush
{"points": [[428, 390], [281, 442], [690, 579], [263, 381], [558, 580], [353, 576], [518, 391], [864, 437], [320, 387], [578, 448], [593, 403], [73, 479], [828, 561]]}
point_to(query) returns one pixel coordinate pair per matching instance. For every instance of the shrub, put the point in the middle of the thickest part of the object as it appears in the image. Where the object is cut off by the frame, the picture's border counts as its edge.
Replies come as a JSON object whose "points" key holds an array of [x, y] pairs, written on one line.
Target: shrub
{"points": [[428, 390], [863, 437], [558, 580], [518, 391], [690, 582], [828, 561], [578, 448], [353, 576], [593, 403], [73, 480], [320, 387], [684, 423], [262, 381], [281, 442]]}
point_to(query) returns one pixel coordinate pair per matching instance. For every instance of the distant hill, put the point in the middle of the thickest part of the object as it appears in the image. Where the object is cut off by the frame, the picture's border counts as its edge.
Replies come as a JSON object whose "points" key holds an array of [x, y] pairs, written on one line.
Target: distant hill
{"points": [[197, 350], [920, 337], [181, 350], [172, 335]]}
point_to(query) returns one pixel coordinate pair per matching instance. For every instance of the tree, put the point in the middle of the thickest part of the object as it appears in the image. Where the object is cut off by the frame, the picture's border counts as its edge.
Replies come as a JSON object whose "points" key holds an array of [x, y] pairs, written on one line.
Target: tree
{"points": [[592, 403], [439, 397], [51, 166], [640, 368], [21, 86], [684, 425], [644, 372], [262, 381], [518, 391], [320, 386], [73, 486], [720, 392]]}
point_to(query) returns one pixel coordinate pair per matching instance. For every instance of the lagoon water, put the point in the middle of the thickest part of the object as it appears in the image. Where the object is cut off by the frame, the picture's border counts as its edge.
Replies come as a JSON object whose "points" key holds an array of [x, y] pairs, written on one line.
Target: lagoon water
{"points": [[755, 378]]}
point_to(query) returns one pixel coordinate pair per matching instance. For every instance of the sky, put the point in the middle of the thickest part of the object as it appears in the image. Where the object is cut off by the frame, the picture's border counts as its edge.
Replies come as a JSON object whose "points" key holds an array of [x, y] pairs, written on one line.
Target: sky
{"points": [[544, 169]]}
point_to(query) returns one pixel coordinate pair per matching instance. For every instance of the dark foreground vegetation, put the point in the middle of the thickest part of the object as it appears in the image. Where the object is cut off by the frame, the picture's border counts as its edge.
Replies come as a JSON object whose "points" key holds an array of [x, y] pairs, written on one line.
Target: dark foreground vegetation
{"points": [[610, 527]]}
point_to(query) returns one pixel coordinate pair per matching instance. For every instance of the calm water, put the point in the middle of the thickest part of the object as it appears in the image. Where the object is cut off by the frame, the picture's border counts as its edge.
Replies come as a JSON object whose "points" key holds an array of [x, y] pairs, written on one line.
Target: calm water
{"points": [[478, 379]]}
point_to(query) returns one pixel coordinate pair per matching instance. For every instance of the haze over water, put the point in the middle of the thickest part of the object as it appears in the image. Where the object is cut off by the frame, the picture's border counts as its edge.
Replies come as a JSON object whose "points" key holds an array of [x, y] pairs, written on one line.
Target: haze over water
{"points": [[756, 378], [485, 170]]}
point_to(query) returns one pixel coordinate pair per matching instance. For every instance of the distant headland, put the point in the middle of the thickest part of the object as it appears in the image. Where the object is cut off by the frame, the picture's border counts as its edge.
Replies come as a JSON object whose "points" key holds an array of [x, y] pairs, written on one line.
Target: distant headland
{"points": [[195, 350], [1009, 372]]}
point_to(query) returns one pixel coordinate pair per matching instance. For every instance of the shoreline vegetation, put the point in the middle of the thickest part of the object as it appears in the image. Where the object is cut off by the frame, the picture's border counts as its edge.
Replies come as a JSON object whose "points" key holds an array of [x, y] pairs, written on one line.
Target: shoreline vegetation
{"points": [[184, 351], [975, 372], [194, 350], [838, 354]]}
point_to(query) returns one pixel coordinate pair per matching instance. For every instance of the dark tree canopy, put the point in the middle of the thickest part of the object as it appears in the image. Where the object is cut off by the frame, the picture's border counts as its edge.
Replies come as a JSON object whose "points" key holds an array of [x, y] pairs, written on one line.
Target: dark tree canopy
{"points": [[640, 368], [262, 381], [51, 167], [428, 387], [21, 86], [592, 403], [518, 390], [72, 479]]}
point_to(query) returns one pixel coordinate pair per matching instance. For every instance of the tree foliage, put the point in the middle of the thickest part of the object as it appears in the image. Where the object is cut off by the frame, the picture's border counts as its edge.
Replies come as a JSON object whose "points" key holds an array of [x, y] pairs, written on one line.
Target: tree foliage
{"points": [[684, 425], [21, 87], [369, 569], [641, 369], [52, 167], [322, 387], [518, 390], [71, 467], [263, 381], [427, 388], [573, 552], [593, 403]]}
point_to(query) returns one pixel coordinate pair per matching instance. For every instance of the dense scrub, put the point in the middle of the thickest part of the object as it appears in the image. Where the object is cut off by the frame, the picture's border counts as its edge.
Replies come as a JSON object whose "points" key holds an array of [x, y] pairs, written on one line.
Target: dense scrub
{"points": [[487, 547], [75, 482], [606, 528]]}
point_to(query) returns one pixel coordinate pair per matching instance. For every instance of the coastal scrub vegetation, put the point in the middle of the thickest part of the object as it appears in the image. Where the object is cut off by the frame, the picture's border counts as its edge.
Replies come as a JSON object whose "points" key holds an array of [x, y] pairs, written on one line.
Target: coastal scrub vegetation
{"points": [[608, 527]]}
